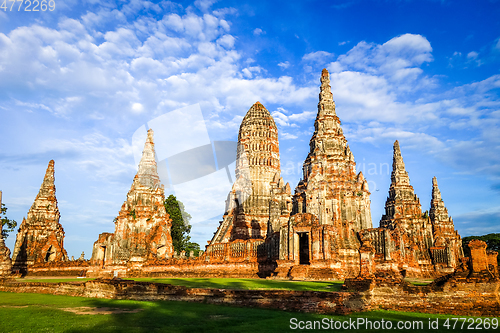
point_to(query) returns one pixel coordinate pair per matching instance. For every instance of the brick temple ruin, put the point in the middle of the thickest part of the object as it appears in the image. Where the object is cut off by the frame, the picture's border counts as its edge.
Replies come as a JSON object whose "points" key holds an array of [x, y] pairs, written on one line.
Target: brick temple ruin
{"points": [[323, 230]]}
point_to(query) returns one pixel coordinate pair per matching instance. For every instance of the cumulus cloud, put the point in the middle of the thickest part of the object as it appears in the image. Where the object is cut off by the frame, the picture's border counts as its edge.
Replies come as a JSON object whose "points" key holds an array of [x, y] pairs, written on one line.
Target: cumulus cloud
{"points": [[284, 65], [258, 31], [318, 56]]}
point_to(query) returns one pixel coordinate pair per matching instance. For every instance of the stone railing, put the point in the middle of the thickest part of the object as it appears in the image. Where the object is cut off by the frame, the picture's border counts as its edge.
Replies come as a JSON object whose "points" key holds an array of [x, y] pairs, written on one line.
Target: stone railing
{"points": [[239, 250]]}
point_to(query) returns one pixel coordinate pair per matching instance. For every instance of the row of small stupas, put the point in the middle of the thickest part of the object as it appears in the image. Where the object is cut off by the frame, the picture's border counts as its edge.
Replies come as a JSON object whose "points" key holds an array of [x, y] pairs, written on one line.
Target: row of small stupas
{"points": [[315, 233]]}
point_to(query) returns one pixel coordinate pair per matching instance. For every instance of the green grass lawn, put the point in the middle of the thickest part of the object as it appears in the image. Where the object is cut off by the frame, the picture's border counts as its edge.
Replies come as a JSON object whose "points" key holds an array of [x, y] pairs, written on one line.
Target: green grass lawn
{"points": [[249, 284], [217, 283], [49, 313]]}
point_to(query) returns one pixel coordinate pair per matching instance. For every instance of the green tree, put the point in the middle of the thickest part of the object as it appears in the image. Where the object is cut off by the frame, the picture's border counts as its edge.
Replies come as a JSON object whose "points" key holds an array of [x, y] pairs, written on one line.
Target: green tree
{"points": [[8, 225], [180, 226], [492, 241]]}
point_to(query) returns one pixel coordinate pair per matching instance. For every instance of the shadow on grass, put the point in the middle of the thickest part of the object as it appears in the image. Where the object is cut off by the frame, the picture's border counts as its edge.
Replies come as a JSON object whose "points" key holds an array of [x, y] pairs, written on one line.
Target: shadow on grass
{"points": [[249, 284], [45, 313]]}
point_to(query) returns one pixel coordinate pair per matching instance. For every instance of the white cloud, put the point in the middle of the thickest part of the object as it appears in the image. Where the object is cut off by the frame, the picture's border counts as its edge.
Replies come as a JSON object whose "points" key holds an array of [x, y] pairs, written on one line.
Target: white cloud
{"points": [[258, 31], [204, 5], [472, 55], [318, 56], [284, 65], [282, 119], [137, 108]]}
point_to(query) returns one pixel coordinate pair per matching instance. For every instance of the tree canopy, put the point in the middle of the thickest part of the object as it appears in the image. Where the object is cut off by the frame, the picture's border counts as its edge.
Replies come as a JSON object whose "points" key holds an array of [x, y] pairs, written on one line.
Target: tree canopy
{"points": [[7, 224], [492, 241], [180, 226]]}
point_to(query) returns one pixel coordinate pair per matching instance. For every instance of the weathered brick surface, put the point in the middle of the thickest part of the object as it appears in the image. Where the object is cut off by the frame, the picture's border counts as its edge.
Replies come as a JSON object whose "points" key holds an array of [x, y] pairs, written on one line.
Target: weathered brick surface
{"points": [[142, 228], [5, 261], [40, 237], [468, 291], [330, 205], [259, 200]]}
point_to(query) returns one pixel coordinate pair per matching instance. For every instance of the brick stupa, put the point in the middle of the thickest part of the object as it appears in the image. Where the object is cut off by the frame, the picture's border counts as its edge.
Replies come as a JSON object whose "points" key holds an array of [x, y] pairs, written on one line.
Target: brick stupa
{"points": [[142, 227], [40, 237], [258, 181]]}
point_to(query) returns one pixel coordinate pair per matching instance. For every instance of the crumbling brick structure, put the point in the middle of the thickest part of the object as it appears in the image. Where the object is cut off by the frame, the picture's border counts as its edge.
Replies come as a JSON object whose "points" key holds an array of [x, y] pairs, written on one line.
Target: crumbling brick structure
{"points": [[142, 227], [40, 237], [330, 205], [5, 261], [409, 242], [323, 231], [259, 201]]}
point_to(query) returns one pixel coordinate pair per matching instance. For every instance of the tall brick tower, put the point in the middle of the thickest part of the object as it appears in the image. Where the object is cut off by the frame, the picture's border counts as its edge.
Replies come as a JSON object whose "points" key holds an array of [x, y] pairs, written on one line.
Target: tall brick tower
{"points": [[412, 230], [257, 174], [331, 203], [330, 187], [40, 237]]}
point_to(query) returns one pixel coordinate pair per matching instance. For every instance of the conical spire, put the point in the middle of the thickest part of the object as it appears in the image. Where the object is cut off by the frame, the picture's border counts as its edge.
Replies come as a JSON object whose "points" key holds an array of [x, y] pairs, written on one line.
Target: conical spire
{"points": [[257, 114], [402, 203], [48, 189], [326, 104], [147, 173], [438, 211], [399, 175]]}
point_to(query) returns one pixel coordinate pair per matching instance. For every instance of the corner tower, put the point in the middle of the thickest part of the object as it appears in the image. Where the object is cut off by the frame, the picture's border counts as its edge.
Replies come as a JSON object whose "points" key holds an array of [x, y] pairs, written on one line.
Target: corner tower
{"points": [[142, 227], [40, 237]]}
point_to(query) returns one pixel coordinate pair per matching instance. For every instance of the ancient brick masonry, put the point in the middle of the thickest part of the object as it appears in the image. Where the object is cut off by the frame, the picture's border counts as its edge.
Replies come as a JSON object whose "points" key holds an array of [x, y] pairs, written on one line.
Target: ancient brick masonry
{"points": [[409, 242], [142, 227], [5, 261], [447, 248], [471, 290], [259, 200], [330, 205], [40, 237]]}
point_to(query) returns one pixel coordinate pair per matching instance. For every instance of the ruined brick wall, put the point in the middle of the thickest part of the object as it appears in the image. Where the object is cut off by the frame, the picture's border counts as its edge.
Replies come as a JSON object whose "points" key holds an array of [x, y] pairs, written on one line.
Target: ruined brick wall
{"points": [[478, 255], [60, 268]]}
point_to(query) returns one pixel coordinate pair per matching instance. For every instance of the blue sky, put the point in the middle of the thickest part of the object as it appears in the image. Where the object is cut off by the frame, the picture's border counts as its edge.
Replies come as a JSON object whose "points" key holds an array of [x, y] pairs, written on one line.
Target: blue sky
{"points": [[78, 82]]}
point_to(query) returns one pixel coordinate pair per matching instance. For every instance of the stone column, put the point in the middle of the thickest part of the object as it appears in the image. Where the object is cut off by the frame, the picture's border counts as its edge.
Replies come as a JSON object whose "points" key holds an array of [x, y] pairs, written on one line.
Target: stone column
{"points": [[366, 254], [478, 255]]}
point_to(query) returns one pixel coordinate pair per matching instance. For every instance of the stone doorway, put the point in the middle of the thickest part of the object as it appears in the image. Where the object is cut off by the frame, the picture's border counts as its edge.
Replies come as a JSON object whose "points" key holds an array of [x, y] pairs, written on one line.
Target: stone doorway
{"points": [[304, 248]]}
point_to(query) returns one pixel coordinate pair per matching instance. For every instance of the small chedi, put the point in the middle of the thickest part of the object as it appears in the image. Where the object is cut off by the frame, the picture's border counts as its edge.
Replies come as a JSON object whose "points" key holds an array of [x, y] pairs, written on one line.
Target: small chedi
{"points": [[5, 261], [409, 242], [40, 237], [142, 227]]}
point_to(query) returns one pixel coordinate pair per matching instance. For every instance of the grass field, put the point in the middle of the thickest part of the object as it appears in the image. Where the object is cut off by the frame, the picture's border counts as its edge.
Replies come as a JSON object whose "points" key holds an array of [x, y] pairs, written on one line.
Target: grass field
{"points": [[246, 284], [51, 313], [250, 284]]}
